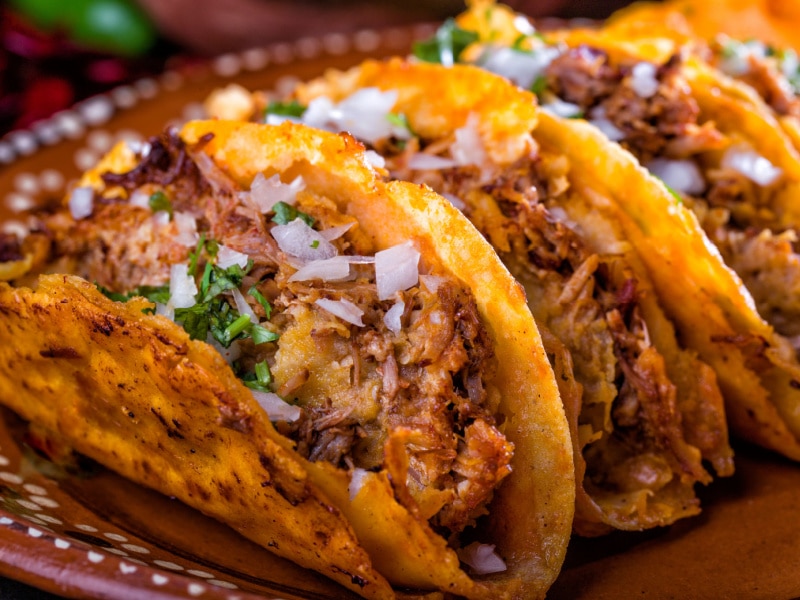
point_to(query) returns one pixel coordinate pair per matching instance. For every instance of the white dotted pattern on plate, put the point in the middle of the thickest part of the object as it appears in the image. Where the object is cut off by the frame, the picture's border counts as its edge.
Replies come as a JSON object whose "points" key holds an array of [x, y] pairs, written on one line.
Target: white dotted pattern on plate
{"points": [[30, 501]]}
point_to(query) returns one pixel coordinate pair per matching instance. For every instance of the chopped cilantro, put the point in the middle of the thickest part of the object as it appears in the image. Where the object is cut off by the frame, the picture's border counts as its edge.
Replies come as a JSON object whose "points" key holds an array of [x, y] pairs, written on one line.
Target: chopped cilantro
{"points": [[261, 300], [539, 85], [447, 45], [400, 120], [315, 244], [195, 320], [216, 280], [155, 294], [235, 328], [115, 296], [285, 109], [262, 335], [258, 379], [159, 201], [286, 213], [214, 315]]}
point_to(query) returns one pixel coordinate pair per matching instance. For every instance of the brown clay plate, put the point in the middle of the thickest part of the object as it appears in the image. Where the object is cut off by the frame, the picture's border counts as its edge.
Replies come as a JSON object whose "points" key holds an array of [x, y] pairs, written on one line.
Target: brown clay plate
{"points": [[95, 535]]}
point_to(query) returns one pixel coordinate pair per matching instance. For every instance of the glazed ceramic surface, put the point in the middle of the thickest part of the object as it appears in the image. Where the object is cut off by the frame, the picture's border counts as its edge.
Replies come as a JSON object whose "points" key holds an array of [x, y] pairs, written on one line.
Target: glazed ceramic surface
{"points": [[92, 534]]}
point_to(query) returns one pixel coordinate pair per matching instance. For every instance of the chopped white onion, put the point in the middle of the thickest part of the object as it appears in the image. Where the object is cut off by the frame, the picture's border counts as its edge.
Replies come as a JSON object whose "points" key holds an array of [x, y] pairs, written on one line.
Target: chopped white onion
{"points": [[273, 119], [683, 176], [431, 282], [365, 114], [523, 25], [344, 309], [392, 317], [468, 148], [559, 108], [598, 119], [182, 287], [139, 147], [374, 159], [482, 558], [357, 478], [140, 199], [227, 257], [318, 113], [334, 233], [736, 56], [187, 229], [230, 354], [266, 193], [643, 79], [242, 306], [521, 67], [161, 218], [789, 64], [298, 239], [423, 162], [455, 201], [277, 408], [396, 269], [336, 268], [165, 310], [751, 164], [81, 202], [560, 215]]}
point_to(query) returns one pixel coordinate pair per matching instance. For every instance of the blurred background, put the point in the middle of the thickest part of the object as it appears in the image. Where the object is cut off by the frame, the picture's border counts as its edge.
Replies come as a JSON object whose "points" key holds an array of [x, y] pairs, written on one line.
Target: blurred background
{"points": [[57, 52]]}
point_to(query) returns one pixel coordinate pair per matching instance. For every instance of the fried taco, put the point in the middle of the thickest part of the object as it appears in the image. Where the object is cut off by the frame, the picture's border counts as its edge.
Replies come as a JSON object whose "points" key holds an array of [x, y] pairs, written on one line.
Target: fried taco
{"points": [[728, 166], [769, 69], [247, 318], [770, 21], [647, 416]]}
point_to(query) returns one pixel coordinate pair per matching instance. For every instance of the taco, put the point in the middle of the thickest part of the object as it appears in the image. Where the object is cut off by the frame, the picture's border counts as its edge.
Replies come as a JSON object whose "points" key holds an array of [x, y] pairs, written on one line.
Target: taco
{"points": [[770, 21], [724, 160], [768, 68], [339, 368], [646, 414]]}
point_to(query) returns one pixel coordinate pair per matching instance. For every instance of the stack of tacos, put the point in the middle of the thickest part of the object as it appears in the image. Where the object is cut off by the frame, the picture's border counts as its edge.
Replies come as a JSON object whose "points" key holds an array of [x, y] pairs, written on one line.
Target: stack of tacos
{"points": [[415, 323]]}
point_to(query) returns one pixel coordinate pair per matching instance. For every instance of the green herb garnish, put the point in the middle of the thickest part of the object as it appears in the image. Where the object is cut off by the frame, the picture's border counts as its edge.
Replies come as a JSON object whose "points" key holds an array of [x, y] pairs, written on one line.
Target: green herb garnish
{"points": [[159, 201], [285, 109], [258, 379], [539, 85], [447, 45], [155, 294], [259, 297], [286, 213]]}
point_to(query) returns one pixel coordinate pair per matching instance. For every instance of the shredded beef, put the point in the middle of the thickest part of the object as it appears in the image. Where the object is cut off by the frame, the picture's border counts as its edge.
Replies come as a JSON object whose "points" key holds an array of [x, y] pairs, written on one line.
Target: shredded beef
{"points": [[166, 164], [665, 123], [10, 248], [583, 76]]}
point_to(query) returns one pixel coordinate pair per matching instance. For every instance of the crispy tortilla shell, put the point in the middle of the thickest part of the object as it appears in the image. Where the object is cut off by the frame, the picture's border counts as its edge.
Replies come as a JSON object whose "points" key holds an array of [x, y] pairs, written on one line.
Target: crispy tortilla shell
{"points": [[134, 393]]}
